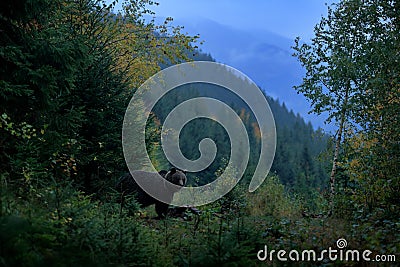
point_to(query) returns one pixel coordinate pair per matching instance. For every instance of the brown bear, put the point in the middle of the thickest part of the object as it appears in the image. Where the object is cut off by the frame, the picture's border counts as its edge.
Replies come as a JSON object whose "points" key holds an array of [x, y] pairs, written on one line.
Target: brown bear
{"points": [[127, 186]]}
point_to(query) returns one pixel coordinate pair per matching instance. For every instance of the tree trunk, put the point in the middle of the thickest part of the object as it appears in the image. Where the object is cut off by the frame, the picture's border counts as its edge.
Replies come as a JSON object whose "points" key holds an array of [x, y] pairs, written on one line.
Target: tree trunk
{"points": [[332, 179]]}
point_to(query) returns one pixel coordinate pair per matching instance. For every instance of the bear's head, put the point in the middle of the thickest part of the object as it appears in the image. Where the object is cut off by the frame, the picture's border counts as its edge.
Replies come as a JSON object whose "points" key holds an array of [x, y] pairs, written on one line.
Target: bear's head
{"points": [[176, 177]]}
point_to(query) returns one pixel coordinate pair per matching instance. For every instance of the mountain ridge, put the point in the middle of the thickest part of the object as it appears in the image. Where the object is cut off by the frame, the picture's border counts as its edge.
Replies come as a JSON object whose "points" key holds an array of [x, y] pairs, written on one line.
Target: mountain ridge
{"points": [[265, 57]]}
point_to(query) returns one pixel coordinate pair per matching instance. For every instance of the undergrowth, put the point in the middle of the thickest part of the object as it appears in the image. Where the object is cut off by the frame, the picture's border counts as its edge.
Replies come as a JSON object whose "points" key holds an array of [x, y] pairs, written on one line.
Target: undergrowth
{"points": [[59, 226]]}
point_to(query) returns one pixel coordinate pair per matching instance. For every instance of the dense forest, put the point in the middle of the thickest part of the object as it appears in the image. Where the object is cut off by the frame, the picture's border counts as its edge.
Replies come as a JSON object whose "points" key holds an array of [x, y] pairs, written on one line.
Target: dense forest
{"points": [[68, 69], [298, 157]]}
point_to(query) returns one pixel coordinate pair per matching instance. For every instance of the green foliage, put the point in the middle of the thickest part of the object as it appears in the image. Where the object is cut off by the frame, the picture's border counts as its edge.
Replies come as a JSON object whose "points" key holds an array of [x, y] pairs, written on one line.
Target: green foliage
{"points": [[66, 79], [351, 70], [59, 226], [352, 73], [271, 199]]}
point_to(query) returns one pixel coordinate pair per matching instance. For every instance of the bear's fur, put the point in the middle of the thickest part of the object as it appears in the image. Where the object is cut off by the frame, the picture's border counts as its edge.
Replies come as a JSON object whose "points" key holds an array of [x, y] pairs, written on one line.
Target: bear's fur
{"points": [[128, 186]]}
